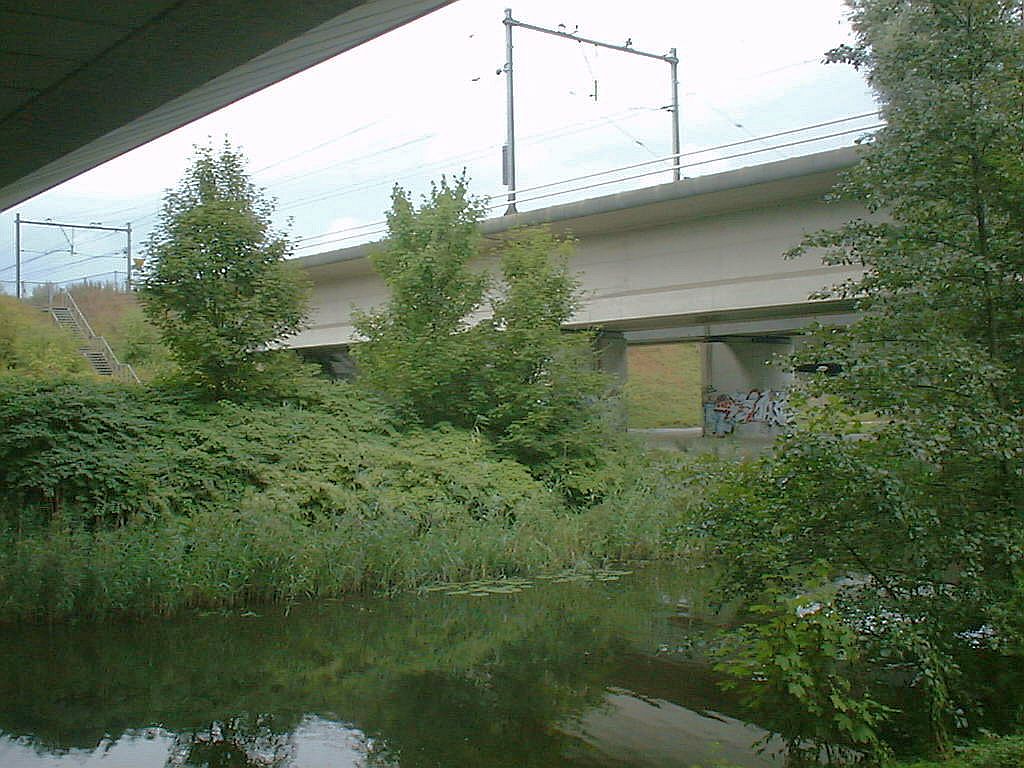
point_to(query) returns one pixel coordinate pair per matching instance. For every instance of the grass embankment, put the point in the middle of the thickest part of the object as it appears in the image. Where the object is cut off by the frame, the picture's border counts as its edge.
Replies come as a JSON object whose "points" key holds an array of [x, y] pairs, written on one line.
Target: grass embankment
{"points": [[30, 342], [117, 316], [137, 501], [664, 386]]}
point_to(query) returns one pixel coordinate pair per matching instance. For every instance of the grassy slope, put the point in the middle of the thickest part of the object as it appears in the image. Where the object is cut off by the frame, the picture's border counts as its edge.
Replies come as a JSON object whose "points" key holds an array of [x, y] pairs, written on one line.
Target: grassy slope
{"points": [[117, 316], [664, 386], [104, 306], [30, 342]]}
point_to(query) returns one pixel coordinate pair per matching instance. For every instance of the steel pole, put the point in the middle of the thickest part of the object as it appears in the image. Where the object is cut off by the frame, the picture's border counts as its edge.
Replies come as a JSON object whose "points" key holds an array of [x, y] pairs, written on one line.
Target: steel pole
{"points": [[510, 154], [128, 251], [674, 62], [17, 255]]}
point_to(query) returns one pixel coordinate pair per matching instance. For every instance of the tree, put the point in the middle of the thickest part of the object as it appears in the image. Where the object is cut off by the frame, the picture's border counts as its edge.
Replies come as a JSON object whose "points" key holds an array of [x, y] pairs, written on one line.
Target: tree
{"points": [[216, 284], [457, 345], [925, 513], [537, 389], [414, 351]]}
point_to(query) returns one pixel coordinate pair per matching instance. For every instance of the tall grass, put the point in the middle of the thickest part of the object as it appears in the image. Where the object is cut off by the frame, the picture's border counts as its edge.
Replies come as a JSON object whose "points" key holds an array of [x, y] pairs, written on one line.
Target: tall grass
{"points": [[265, 551], [31, 343], [133, 502]]}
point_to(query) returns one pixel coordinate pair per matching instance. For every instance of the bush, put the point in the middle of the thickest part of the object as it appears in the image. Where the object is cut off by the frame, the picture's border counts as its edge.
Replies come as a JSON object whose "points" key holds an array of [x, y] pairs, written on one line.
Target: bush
{"points": [[797, 670], [993, 752], [134, 501]]}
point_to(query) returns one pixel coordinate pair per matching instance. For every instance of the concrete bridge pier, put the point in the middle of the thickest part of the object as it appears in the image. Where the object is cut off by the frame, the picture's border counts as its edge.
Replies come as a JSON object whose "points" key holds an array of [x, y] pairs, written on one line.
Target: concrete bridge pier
{"points": [[610, 348], [745, 384]]}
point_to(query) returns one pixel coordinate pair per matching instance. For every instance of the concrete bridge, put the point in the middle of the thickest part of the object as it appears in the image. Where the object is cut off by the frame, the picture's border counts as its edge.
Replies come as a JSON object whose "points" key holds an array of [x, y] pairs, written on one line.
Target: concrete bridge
{"points": [[695, 260]]}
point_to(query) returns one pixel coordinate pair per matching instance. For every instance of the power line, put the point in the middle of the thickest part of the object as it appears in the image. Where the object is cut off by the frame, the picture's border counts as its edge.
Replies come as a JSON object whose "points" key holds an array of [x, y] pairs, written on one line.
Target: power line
{"points": [[533, 138], [361, 158], [87, 259], [105, 213], [42, 255], [305, 152], [673, 158], [692, 165], [316, 241]]}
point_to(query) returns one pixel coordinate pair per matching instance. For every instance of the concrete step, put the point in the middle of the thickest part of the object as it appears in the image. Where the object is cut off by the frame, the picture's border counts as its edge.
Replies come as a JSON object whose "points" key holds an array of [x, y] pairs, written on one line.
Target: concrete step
{"points": [[100, 364], [96, 352]]}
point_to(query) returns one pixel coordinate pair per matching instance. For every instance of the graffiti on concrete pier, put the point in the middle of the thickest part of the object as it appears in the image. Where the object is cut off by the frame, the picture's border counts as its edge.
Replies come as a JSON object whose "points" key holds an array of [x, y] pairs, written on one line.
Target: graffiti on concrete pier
{"points": [[724, 412]]}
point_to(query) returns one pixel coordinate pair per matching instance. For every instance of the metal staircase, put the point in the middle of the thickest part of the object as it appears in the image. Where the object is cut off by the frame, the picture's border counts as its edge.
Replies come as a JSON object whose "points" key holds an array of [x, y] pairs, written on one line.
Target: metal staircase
{"points": [[95, 349]]}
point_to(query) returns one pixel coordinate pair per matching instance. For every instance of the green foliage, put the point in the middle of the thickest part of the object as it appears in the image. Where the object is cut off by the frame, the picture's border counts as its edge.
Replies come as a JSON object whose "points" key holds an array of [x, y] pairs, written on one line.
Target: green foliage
{"points": [[797, 670], [991, 752], [414, 353], [31, 343], [536, 389], [514, 375], [216, 284], [940, 349], [67, 447], [921, 518], [133, 501], [137, 342]]}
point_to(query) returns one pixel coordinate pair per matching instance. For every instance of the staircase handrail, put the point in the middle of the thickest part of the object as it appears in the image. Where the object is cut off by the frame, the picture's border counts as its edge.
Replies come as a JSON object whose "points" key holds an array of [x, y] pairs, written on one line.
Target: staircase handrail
{"points": [[117, 365], [79, 317], [121, 368]]}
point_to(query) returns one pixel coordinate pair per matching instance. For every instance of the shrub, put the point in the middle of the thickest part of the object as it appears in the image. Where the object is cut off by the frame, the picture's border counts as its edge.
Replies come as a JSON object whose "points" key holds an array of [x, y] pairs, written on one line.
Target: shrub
{"points": [[133, 501]]}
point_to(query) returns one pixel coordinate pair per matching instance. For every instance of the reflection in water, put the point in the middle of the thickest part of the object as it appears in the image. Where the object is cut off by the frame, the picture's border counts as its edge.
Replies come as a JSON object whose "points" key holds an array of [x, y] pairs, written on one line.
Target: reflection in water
{"points": [[239, 742], [579, 674]]}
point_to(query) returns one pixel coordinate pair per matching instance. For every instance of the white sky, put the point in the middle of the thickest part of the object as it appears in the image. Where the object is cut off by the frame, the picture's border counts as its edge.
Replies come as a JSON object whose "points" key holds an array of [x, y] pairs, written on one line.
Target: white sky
{"points": [[424, 100]]}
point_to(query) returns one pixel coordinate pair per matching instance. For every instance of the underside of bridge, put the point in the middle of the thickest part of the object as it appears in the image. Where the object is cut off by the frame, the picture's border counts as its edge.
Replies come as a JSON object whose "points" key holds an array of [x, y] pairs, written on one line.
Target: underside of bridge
{"points": [[84, 81]]}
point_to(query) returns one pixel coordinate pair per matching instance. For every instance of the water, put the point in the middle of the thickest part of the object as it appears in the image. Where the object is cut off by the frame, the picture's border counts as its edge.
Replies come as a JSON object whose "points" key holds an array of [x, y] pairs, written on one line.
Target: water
{"points": [[586, 674]]}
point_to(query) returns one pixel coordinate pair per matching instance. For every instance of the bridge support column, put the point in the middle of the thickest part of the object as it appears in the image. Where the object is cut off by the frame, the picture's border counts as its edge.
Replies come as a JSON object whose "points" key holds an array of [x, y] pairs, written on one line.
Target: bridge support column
{"points": [[610, 347], [744, 393], [334, 360]]}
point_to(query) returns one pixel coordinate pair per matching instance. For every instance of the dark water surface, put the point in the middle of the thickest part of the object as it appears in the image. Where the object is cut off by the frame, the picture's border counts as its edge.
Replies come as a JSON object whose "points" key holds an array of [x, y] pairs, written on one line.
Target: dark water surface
{"points": [[585, 674]]}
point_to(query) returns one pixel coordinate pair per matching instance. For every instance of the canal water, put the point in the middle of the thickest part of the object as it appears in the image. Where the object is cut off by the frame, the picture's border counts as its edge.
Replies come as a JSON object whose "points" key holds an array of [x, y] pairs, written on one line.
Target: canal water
{"points": [[606, 671]]}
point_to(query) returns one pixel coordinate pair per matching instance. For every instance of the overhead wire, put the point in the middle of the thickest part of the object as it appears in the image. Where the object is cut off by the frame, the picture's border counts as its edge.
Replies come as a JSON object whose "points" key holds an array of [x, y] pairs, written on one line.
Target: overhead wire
{"points": [[86, 259], [358, 23], [377, 153], [420, 169], [677, 159], [541, 136], [41, 255], [105, 213], [611, 121], [314, 148], [313, 241]]}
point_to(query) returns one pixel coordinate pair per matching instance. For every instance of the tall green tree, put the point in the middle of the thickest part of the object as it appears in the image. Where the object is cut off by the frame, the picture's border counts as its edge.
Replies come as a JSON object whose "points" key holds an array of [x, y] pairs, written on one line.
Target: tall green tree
{"points": [[216, 282], [927, 513], [487, 352], [415, 351], [537, 388]]}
